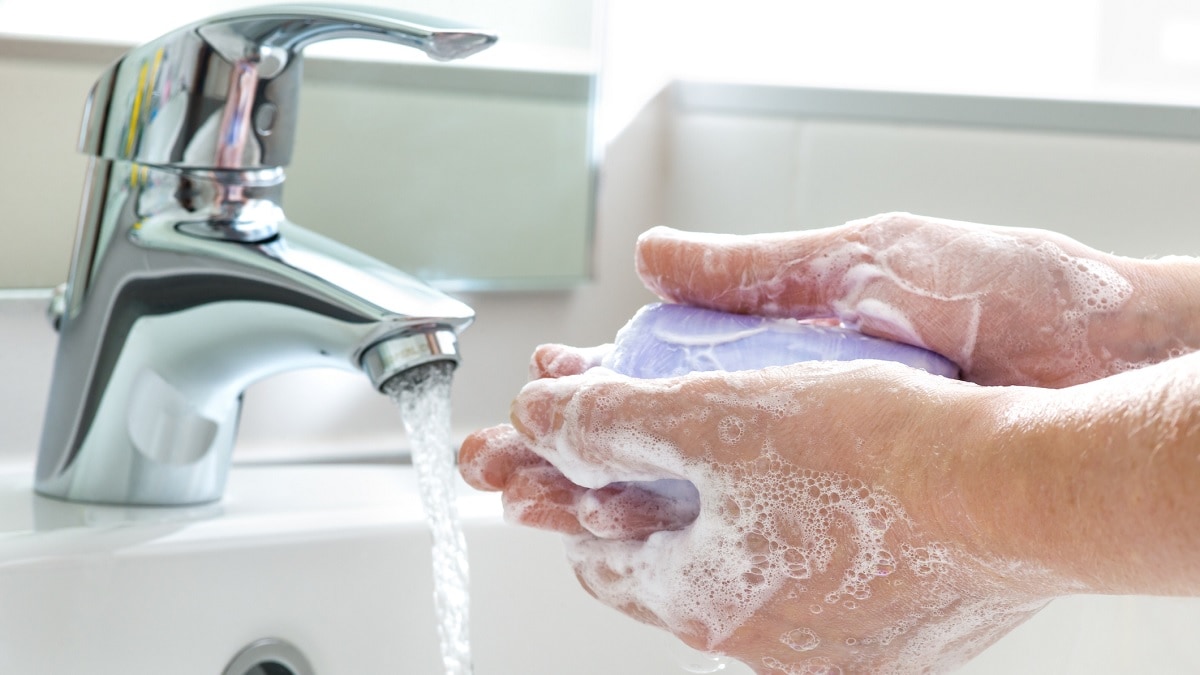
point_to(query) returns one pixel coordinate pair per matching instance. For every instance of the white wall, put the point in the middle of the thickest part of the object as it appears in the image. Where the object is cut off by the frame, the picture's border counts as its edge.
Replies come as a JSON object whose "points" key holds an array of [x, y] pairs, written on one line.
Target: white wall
{"points": [[1131, 195]]}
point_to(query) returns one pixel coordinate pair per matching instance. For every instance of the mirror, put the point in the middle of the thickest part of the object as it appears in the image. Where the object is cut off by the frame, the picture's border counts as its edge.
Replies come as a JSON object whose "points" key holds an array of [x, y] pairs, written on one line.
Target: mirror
{"points": [[472, 175]]}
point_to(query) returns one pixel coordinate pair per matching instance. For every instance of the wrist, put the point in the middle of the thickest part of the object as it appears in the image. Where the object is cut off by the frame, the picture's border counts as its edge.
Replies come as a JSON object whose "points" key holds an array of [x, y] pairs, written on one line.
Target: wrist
{"points": [[1162, 318], [1009, 484], [1094, 483]]}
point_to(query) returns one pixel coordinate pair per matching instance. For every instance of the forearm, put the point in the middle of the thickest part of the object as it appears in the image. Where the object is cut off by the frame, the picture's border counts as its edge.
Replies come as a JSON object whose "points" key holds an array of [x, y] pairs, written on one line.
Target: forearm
{"points": [[1099, 482]]}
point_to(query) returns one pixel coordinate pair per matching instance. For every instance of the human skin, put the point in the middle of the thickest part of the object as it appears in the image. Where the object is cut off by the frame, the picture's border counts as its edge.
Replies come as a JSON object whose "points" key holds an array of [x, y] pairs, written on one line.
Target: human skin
{"points": [[1009, 305], [864, 516]]}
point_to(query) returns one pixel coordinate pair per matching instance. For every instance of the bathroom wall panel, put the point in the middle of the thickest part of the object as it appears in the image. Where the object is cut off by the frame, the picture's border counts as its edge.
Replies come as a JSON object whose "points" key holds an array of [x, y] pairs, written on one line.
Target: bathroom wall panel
{"points": [[750, 173], [1130, 195]]}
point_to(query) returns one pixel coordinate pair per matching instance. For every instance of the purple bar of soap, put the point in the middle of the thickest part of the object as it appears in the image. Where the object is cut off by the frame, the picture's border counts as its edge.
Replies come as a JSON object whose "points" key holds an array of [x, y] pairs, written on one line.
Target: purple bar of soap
{"points": [[665, 340]]}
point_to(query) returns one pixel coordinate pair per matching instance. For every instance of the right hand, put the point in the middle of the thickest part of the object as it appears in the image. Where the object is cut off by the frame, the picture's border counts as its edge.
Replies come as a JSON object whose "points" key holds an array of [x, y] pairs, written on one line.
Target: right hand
{"points": [[824, 531], [1008, 305]]}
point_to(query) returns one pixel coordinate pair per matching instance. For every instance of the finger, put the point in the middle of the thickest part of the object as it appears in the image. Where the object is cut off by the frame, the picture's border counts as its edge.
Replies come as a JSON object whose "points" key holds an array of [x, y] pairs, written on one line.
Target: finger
{"points": [[637, 510], [541, 497], [793, 274], [488, 458], [554, 360], [600, 427]]}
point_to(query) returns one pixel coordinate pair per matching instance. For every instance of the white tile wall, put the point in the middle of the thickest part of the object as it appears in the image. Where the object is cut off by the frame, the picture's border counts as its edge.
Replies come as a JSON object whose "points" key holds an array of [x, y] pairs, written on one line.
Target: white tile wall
{"points": [[1130, 195], [27, 345], [732, 173]]}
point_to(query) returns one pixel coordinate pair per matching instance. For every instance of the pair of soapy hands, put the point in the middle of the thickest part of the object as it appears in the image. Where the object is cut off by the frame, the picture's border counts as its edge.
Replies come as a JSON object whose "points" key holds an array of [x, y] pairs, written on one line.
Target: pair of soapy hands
{"points": [[812, 518]]}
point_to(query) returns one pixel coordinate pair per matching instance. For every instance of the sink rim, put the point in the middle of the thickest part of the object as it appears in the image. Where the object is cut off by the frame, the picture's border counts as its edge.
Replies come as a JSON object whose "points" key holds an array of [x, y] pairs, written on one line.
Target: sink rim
{"points": [[263, 503]]}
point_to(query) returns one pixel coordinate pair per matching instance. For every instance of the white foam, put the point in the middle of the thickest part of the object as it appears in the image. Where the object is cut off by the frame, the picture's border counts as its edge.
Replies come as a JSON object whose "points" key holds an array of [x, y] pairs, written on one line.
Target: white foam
{"points": [[814, 666], [926, 560], [762, 526], [730, 429], [800, 639], [895, 322]]}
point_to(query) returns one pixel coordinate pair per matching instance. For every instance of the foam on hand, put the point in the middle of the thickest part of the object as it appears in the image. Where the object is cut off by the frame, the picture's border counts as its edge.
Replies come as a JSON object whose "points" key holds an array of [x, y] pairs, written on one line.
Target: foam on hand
{"points": [[961, 268], [766, 531]]}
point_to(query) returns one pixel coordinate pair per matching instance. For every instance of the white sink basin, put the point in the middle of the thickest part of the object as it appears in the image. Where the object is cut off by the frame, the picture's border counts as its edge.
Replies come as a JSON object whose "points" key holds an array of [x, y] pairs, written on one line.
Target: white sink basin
{"points": [[335, 560]]}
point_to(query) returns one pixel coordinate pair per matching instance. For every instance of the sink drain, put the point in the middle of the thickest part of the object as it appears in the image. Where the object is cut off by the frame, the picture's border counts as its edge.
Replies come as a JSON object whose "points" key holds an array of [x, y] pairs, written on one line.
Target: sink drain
{"points": [[269, 656]]}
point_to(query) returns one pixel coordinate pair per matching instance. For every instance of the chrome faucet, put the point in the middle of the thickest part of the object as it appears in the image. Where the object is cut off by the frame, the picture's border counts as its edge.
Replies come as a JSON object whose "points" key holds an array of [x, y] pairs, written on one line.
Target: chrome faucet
{"points": [[187, 282]]}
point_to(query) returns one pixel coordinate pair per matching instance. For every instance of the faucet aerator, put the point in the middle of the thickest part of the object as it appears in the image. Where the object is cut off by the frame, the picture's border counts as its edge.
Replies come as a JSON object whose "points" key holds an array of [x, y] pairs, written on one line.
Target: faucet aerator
{"points": [[400, 355]]}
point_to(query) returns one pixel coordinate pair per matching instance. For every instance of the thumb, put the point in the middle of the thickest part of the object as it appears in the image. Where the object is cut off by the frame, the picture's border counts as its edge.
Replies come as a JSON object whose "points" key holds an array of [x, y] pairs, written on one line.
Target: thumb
{"points": [[792, 274]]}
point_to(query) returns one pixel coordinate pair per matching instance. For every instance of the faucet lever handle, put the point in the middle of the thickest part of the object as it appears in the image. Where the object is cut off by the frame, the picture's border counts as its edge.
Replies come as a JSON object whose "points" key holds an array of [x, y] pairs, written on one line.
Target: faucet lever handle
{"points": [[246, 33], [222, 93]]}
